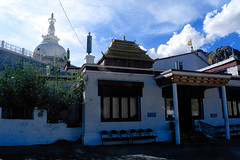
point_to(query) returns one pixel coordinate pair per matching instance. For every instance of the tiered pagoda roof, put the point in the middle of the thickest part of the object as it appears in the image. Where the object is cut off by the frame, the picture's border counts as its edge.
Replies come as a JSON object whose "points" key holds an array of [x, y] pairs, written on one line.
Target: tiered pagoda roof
{"points": [[125, 51]]}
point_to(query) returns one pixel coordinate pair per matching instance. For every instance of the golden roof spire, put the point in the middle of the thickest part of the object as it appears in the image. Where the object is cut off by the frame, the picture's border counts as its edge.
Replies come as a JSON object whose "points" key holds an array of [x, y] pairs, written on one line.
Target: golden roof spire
{"points": [[190, 44]]}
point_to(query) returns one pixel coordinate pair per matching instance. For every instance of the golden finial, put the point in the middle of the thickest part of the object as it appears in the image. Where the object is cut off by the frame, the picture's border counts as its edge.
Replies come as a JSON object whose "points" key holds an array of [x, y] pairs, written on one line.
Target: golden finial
{"points": [[190, 44], [124, 38]]}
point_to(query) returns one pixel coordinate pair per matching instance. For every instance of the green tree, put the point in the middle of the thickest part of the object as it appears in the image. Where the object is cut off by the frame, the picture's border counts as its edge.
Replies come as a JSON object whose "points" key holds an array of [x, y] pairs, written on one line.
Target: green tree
{"points": [[63, 92], [26, 86], [20, 86]]}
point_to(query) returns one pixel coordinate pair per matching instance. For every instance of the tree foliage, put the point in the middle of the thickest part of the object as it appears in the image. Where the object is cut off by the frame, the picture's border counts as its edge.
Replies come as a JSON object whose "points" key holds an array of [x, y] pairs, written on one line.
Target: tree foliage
{"points": [[26, 86]]}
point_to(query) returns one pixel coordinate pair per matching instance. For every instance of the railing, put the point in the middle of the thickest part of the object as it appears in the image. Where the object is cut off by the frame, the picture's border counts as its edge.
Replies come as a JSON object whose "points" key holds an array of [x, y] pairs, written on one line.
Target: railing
{"points": [[209, 129], [16, 49]]}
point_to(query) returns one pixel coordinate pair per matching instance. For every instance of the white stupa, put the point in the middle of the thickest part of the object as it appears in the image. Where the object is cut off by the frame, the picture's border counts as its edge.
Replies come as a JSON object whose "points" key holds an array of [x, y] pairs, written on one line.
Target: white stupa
{"points": [[49, 47]]}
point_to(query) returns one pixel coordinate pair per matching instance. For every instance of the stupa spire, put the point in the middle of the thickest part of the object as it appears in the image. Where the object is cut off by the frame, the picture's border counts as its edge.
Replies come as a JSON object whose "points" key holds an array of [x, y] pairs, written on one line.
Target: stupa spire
{"points": [[51, 28]]}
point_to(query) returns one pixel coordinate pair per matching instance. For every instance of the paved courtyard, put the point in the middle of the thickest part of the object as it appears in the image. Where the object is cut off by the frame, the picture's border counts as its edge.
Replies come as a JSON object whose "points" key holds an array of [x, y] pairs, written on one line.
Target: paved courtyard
{"points": [[163, 151]]}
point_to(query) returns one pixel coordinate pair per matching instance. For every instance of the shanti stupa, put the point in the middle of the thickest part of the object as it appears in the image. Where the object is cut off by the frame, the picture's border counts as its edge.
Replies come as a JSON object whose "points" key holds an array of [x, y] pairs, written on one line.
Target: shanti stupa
{"points": [[49, 49]]}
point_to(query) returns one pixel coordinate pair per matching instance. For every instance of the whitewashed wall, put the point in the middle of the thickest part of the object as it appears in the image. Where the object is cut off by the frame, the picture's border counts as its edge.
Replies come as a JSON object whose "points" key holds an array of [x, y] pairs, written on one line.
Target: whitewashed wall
{"points": [[233, 70], [212, 105], [15, 132], [190, 62], [151, 102]]}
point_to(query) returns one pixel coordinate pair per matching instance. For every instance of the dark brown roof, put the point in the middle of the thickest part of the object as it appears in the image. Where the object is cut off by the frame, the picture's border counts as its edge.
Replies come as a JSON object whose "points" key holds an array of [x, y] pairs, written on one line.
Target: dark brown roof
{"points": [[122, 49]]}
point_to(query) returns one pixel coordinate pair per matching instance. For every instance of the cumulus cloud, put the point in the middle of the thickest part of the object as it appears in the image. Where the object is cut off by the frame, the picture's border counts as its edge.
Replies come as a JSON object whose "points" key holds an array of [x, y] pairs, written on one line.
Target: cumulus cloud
{"points": [[216, 25], [178, 43], [220, 24], [152, 53]]}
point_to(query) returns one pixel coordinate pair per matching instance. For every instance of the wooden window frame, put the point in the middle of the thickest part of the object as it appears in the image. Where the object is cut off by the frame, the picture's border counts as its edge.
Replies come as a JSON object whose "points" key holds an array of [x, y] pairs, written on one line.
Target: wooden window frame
{"points": [[237, 105], [120, 119], [201, 111], [120, 89], [166, 117]]}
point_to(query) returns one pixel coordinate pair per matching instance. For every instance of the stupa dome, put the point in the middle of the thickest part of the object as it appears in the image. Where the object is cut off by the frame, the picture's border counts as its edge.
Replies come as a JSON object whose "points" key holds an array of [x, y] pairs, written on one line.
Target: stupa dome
{"points": [[49, 47]]}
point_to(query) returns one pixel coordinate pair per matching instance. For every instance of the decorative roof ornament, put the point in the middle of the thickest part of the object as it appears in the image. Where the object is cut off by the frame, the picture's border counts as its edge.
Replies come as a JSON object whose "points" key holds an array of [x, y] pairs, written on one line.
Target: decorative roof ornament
{"points": [[51, 28], [89, 43], [67, 56], [190, 44]]}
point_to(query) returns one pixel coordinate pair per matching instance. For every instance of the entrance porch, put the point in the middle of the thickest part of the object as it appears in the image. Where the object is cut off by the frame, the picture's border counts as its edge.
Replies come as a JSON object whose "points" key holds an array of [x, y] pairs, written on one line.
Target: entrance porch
{"points": [[186, 90]]}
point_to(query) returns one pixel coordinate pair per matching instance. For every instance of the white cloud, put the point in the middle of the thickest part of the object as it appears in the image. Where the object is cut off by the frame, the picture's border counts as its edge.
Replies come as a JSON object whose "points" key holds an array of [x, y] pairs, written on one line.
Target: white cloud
{"points": [[104, 40], [23, 22], [152, 53], [88, 12], [216, 25], [179, 12], [220, 24], [178, 43]]}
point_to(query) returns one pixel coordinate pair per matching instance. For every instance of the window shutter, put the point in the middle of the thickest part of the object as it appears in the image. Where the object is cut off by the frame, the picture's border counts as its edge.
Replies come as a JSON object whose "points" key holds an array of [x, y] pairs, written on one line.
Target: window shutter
{"points": [[119, 88]]}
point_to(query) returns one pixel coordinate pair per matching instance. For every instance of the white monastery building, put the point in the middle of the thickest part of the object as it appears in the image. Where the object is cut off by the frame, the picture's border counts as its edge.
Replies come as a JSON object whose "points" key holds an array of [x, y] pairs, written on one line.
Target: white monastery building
{"points": [[175, 97], [131, 98]]}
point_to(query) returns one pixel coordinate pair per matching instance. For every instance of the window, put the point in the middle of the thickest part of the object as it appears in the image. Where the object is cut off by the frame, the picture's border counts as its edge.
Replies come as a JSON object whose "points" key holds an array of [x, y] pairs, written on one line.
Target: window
{"points": [[106, 107], [120, 108], [169, 109], [115, 109], [196, 108], [233, 108], [120, 100]]}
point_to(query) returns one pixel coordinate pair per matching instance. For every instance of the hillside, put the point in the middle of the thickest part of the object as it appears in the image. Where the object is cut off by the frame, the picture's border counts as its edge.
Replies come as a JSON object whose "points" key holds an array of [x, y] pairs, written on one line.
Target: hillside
{"points": [[222, 53]]}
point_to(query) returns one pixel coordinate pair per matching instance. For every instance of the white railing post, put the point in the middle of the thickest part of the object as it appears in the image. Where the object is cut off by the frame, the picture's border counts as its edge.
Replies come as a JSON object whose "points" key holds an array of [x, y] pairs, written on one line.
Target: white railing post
{"points": [[2, 45], [17, 49]]}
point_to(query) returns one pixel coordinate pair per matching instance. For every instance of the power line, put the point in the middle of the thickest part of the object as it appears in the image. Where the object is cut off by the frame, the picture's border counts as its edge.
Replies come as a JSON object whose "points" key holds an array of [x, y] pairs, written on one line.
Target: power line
{"points": [[71, 25]]}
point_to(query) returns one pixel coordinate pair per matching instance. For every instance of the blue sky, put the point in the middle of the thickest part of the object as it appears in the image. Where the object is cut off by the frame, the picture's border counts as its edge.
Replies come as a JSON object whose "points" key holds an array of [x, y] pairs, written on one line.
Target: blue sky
{"points": [[159, 26]]}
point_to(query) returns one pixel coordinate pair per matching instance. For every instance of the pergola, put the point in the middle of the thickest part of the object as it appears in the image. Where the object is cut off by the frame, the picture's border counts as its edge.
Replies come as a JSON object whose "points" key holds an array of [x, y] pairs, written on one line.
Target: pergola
{"points": [[193, 78]]}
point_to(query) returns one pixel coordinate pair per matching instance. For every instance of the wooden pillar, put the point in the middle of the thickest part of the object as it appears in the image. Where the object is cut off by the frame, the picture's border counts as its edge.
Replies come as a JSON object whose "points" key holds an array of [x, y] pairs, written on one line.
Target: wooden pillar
{"points": [[225, 112], [176, 117]]}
